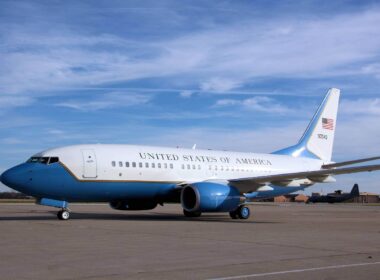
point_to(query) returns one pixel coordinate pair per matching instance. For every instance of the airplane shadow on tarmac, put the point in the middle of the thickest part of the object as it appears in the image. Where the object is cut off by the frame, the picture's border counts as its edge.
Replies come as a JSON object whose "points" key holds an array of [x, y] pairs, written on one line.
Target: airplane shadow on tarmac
{"points": [[50, 215]]}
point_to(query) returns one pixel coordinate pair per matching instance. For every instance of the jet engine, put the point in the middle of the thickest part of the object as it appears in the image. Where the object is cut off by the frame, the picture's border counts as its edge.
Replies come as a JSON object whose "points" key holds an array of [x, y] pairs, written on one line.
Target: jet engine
{"points": [[133, 205], [209, 197]]}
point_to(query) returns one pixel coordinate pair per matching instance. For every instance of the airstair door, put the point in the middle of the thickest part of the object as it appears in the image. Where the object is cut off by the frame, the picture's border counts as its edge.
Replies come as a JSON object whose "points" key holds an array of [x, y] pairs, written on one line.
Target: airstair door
{"points": [[89, 164]]}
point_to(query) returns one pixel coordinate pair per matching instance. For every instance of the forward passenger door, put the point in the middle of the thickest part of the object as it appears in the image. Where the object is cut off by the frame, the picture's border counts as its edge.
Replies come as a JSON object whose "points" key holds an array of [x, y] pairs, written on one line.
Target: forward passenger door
{"points": [[89, 164]]}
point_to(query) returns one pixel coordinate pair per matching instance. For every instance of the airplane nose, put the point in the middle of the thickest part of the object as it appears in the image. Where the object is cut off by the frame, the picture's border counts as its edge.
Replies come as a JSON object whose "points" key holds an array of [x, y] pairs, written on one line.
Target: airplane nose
{"points": [[6, 177], [14, 177]]}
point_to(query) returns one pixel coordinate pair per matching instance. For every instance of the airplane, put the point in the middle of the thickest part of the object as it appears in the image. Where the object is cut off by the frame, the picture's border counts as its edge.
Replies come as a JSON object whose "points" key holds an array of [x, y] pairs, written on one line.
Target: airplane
{"points": [[337, 196], [131, 177]]}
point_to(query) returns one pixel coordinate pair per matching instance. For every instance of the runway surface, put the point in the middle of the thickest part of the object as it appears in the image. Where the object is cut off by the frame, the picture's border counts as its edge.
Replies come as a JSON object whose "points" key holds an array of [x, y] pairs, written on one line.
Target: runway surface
{"points": [[286, 241]]}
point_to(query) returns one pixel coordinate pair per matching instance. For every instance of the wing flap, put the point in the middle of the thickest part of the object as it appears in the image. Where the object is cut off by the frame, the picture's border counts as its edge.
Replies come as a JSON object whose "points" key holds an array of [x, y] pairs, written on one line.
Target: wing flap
{"points": [[253, 183], [344, 163]]}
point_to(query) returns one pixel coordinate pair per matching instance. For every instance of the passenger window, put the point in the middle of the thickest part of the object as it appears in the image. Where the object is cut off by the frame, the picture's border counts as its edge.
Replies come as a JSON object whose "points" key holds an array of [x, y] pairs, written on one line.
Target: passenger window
{"points": [[159, 165], [127, 164], [113, 163], [194, 166], [188, 166], [165, 165], [140, 164], [120, 163], [153, 165], [146, 165], [171, 166], [133, 164], [199, 167], [183, 166]]}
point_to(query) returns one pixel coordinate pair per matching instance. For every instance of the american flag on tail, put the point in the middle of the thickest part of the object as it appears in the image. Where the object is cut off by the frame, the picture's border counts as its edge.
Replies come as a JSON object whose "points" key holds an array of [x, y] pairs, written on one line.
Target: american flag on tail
{"points": [[328, 123]]}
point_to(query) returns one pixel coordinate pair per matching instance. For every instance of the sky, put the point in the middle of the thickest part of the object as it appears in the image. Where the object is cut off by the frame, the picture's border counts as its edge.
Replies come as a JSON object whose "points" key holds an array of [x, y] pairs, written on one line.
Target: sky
{"points": [[231, 75]]}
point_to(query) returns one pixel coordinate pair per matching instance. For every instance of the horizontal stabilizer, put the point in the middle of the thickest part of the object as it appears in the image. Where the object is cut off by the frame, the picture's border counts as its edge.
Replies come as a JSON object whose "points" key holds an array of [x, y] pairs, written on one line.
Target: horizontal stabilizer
{"points": [[344, 163]]}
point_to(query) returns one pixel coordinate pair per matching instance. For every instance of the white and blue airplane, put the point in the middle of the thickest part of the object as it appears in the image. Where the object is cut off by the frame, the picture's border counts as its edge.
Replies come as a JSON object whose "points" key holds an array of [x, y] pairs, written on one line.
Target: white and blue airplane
{"points": [[141, 177]]}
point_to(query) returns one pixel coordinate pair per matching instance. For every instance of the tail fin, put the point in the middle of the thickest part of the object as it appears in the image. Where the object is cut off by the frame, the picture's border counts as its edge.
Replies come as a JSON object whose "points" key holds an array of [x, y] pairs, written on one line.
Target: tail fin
{"points": [[318, 139], [355, 190]]}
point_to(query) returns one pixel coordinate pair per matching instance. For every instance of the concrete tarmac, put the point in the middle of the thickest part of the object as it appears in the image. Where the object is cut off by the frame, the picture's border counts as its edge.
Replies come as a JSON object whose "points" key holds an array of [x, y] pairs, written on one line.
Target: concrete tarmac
{"points": [[284, 241]]}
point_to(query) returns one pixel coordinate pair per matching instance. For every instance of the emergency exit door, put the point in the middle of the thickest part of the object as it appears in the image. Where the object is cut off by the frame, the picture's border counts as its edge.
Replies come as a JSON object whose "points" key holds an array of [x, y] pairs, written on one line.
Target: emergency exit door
{"points": [[89, 164]]}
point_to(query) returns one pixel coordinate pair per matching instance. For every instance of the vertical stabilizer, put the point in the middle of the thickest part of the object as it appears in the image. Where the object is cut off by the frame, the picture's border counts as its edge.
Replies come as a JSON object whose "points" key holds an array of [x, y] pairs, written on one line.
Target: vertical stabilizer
{"points": [[318, 139], [355, 190]]}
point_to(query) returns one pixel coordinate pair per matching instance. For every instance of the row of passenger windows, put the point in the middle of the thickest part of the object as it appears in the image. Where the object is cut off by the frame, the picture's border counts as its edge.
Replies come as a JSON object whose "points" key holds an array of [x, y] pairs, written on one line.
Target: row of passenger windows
{"points": [[141, 164], [229, 168], [183, 166]]}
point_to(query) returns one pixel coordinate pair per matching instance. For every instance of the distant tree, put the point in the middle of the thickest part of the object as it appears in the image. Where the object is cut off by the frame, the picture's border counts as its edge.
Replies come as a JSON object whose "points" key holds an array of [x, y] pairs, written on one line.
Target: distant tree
{"points": [[13, 195]]}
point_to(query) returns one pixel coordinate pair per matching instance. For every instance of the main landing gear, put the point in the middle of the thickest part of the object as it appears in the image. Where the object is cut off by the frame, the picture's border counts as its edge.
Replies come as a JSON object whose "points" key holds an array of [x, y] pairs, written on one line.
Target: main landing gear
{"points": [[242, 212], [63, 214]]}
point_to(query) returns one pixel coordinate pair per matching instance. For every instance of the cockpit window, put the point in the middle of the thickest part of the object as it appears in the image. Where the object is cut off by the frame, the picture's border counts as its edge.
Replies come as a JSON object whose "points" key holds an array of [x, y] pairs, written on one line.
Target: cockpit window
{"points": [[43, 160], [53, 160]]}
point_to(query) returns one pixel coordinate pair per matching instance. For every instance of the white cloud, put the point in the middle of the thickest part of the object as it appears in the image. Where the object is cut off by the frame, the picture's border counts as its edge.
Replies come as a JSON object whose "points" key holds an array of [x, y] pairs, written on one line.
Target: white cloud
{"points": [[372, 69], [56, 131], [12, 141], [186, 93], [257, 103], [357, 137], [219, 84], [106, 101], [366, 106], [11, 101], [220, 58]]}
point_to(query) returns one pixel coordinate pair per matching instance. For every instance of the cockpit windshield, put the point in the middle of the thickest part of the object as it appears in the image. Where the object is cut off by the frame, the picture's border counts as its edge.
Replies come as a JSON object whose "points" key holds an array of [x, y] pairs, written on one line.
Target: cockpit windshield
{"points": [[43, 160]]}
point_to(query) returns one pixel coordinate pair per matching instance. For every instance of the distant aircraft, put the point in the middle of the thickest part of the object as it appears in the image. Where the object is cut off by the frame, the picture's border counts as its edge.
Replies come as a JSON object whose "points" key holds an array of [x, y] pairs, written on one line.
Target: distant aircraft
{"points": [[141, 177], [335, 197]]}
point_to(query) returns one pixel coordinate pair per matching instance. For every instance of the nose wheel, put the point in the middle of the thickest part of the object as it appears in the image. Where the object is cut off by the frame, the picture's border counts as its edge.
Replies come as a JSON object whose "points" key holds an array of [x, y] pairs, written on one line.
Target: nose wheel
{"points": [[63, 214]]}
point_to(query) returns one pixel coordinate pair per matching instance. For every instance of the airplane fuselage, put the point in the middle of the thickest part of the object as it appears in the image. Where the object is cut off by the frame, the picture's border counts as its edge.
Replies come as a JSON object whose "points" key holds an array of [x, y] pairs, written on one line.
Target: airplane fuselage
{"points": [[111, 172]]}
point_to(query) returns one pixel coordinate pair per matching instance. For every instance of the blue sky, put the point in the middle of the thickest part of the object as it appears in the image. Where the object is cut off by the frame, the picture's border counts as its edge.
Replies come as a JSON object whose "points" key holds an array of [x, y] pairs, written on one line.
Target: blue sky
{"points": [[233, 75]]}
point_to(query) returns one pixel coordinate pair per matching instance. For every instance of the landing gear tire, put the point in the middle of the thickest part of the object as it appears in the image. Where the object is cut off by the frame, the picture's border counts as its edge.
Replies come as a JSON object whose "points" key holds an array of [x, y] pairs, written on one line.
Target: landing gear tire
{"points": [[234, 215], [63, 215], [192, 214], [243, 212]]}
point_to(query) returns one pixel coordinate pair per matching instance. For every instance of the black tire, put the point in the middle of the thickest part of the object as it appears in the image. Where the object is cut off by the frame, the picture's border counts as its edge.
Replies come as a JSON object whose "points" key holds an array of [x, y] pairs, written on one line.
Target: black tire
{"points": [[243, 212], [234, 214], [192, 214], [63, 215]]}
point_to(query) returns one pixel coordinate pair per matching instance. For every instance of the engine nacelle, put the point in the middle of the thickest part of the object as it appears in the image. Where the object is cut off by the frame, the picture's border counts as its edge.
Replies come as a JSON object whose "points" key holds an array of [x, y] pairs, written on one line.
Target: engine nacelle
{"points": [[209, 197], [133, 204]]}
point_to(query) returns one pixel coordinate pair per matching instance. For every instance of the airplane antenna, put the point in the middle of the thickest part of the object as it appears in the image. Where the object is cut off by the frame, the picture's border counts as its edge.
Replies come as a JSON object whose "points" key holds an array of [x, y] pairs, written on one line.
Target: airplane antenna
{"points": [[194, 147]]}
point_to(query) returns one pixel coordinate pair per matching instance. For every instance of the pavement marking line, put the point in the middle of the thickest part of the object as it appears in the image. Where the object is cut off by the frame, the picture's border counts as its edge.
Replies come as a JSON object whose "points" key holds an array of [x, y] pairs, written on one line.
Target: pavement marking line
{"points": [[295, 271]]}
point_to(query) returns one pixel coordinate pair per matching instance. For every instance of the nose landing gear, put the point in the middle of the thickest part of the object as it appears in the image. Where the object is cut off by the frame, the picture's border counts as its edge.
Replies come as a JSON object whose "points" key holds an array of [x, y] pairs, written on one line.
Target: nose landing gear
{"points": [[63, 214]]}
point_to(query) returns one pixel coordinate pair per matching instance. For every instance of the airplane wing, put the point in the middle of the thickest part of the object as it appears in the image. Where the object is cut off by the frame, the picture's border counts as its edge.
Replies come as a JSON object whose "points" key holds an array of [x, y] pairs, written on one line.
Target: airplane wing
{"points": [[343, 163], [253, 183]]}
